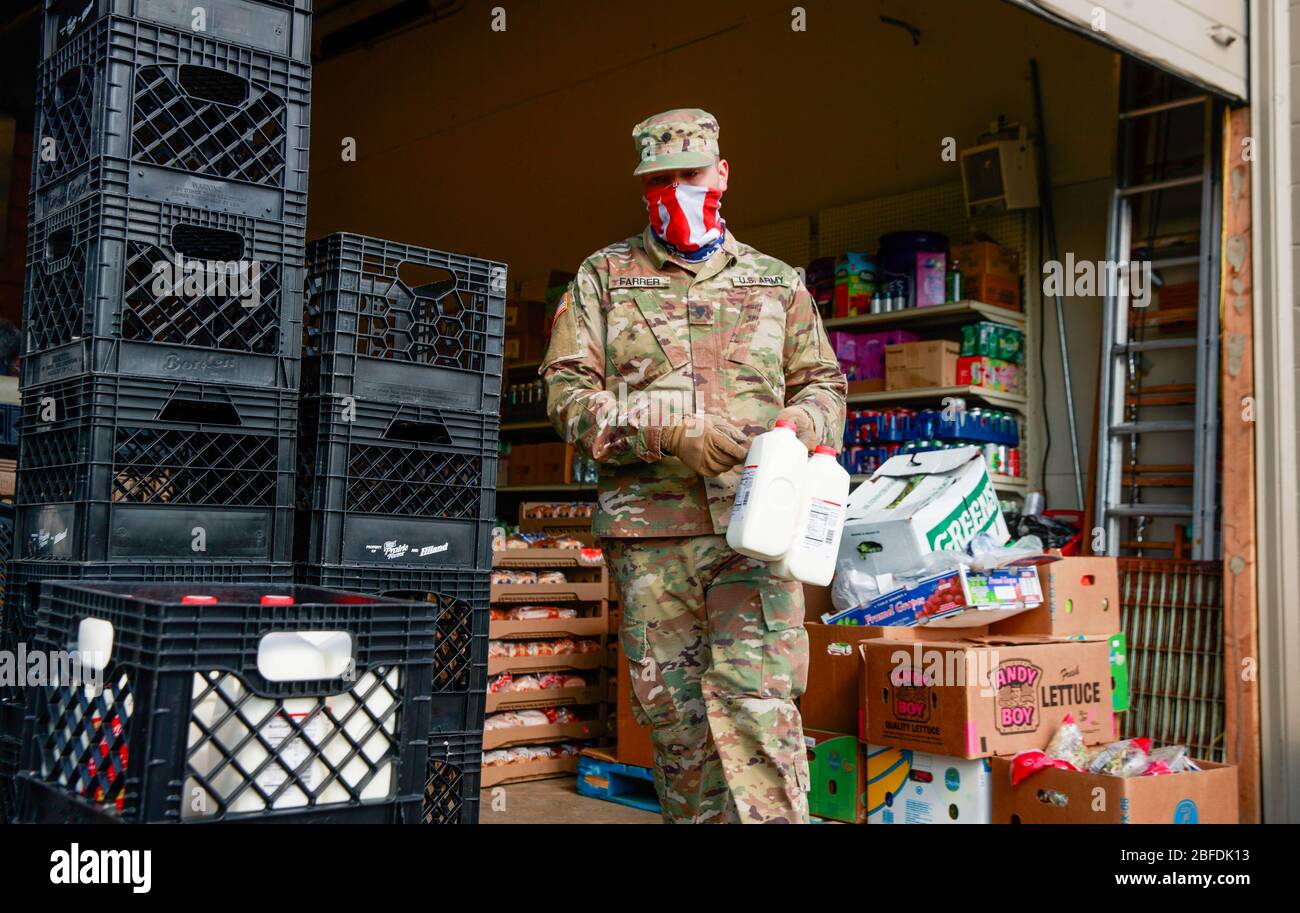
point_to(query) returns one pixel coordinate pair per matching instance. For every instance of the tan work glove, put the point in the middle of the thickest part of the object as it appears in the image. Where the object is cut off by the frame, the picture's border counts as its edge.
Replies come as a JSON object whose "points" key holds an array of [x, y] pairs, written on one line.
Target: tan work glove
{"points": [[707, 445], [806, 433]]}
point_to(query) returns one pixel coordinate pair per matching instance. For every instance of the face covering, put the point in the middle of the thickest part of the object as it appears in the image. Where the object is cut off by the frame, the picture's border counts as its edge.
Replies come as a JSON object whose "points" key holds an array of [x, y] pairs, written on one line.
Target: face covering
{"points": [[685, 218]]}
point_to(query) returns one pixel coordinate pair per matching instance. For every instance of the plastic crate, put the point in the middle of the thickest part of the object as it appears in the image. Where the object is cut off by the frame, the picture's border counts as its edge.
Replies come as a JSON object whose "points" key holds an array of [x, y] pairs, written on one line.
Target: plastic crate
{"points": [[133, 108], [193, 718], [451, 789], [460, 669], [97, 299], [9, 424], [395, 485], [115, 469], [370, 335], [8, 767], [26, 578], [277, 26], [6, 546]]}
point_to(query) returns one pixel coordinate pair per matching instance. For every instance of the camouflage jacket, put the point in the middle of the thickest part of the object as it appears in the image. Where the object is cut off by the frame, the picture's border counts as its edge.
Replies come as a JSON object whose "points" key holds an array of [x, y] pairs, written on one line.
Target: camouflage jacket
{"points": [[640, 335]]}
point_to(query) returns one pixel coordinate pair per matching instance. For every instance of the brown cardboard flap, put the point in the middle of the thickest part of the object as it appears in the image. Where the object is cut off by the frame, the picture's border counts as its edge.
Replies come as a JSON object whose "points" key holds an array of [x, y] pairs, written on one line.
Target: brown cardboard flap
{"points": [[1052, 796]]}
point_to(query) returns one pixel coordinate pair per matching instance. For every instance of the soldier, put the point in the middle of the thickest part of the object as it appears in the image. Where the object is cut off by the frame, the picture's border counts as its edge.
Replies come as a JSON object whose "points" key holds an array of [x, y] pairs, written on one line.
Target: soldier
{"points": [[668, 353]]}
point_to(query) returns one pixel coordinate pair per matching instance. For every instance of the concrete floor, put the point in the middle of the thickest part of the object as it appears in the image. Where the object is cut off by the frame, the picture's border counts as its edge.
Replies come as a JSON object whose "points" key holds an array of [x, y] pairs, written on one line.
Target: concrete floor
{"points": [[554, 802]]}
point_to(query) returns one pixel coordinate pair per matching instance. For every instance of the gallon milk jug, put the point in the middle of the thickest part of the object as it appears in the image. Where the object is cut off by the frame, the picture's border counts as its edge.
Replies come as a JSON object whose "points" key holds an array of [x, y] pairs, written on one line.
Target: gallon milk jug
{"points": [[767, 498], [820, 521]]}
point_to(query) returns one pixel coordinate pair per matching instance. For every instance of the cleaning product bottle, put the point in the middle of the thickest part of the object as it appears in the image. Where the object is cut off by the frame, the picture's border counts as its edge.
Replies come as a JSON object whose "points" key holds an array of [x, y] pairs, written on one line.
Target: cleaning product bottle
{"points": [[820, 521], [763, 514]]}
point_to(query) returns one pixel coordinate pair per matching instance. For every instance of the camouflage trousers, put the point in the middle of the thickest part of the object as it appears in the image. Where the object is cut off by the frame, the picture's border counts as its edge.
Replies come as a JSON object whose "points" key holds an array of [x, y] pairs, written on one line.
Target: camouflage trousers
{"points": [[717, 654]]}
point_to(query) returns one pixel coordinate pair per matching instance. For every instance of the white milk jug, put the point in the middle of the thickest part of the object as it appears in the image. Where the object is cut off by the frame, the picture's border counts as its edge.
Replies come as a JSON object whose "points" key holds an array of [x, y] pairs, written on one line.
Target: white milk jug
{"points": [[767, 498], [819, 523]]}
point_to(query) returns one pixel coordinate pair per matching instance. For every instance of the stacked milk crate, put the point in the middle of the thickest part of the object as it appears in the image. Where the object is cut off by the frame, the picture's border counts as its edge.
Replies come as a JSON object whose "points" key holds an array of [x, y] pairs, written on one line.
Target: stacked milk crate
{"points": [[162, 317], [202, 702], [397, 460]]}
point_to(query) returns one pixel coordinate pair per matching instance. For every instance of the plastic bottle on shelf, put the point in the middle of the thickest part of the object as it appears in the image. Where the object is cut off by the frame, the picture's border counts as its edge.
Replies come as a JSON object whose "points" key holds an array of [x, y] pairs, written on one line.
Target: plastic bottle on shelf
{"points": [[767, 498], [819, 522]]}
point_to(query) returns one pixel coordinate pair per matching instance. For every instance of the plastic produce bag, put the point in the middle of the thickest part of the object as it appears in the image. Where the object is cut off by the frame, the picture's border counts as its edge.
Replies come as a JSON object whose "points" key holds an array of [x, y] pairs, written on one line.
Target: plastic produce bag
{"points": [[1067, 744], [1126, 758], [852, 588]]}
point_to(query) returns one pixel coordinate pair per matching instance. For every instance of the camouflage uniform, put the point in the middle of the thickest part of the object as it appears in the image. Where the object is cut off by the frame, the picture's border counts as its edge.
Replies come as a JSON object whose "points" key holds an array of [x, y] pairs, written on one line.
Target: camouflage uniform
{"points": [[715, 643]]}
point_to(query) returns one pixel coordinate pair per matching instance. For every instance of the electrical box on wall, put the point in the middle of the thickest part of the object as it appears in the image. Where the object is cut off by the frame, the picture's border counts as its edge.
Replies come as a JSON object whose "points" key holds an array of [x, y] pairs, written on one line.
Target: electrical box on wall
{"points": [[1000, 175]]}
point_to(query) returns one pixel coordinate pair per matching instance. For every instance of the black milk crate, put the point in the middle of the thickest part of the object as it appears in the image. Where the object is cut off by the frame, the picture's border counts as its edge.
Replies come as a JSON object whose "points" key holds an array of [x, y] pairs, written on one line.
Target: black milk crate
{"points": [[26, 578], [373, 334], [460, 672], [134, 108], [451, 791], [8, 767], [8, 425], [102, 295], [6, 546], [395, 485], [197, 714], [280, 27], [116, 468]]}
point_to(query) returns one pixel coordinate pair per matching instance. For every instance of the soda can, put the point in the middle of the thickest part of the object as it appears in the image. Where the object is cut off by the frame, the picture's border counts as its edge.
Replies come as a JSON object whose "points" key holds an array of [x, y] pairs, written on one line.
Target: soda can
{"points": [[991, 457], [1013, 462]]}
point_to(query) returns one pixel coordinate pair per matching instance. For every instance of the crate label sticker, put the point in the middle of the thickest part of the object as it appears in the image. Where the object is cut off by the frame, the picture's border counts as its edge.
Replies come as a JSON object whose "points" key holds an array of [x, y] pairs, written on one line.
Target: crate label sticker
{"points": [[393, 550], [293, 753]]}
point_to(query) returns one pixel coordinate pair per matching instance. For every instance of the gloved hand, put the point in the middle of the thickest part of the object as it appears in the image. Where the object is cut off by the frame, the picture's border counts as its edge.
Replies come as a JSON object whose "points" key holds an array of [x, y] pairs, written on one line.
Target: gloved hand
{"points": [[707, 445], [806, 433]]}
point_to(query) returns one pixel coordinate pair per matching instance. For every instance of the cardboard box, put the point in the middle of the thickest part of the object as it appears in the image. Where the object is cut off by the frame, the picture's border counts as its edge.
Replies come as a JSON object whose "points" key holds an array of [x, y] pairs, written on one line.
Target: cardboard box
{"points": [[869, 352], [557, 518], [550, 697], [999, 290], [523, 464], [554, 463], [872, 385], [632, 744], [1119, 670], [1054, 796], [983, 696], [493, 775], [8, 478], [837, 773], [830, 702], [954, 599], [1081, 596], [930, 363], [989, 373], [919, 503], [981, 257], [996, 340], [916, 787], [533, 735]]}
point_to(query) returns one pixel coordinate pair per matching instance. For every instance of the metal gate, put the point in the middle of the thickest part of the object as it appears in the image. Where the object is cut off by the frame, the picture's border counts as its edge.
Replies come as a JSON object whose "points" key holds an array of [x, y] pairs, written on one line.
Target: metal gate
{"points": [[1172, 614]]}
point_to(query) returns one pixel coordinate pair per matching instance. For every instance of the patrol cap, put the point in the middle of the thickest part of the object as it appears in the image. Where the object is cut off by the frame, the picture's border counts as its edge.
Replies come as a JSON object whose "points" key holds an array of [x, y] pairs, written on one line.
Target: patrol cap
{"points": [[680, 138]]}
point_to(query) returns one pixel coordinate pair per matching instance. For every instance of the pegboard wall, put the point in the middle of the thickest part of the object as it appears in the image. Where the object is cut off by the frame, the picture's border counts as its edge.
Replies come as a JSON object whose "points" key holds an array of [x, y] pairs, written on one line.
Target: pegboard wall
{"points": [[790, 240], [858, 226]]}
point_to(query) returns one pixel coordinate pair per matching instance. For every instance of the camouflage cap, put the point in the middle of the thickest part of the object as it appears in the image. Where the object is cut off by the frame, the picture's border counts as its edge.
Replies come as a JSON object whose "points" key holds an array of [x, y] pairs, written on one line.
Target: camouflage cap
{"points": [[680, 138]]}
